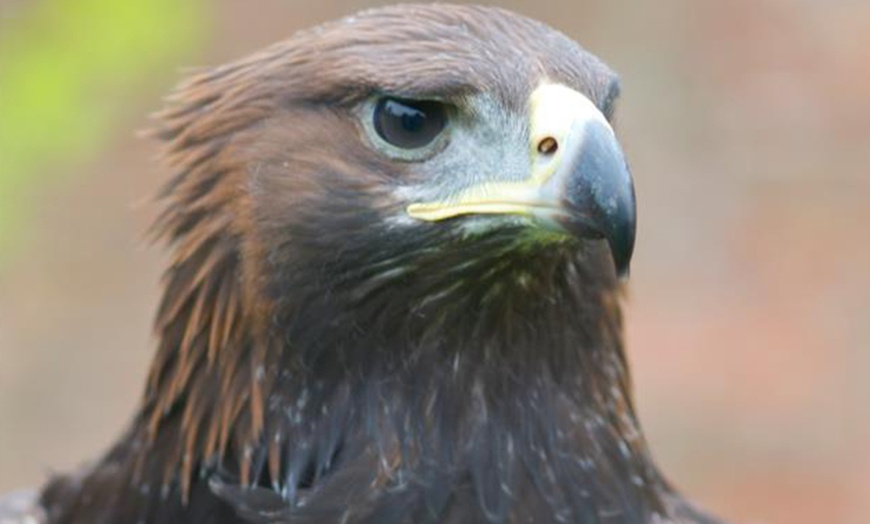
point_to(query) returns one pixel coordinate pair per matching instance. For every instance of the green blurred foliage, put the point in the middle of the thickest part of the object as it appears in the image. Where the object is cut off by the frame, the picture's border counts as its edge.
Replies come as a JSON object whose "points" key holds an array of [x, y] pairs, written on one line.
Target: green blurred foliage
{"points": [[66, 67]]}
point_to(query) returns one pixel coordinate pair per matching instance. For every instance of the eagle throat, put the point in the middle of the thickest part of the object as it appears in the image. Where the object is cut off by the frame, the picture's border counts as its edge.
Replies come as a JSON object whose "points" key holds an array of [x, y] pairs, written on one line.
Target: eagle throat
{"points": [[486, 361]]}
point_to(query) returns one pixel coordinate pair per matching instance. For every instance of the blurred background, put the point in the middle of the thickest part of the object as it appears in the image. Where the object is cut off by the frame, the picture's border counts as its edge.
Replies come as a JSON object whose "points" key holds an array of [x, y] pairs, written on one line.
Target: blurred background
{"points": [[747, 123]]}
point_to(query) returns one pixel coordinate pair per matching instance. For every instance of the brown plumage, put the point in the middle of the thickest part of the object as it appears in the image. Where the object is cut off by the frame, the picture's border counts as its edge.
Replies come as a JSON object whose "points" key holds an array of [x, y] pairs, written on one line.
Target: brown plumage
{"points": [[324, 356]]}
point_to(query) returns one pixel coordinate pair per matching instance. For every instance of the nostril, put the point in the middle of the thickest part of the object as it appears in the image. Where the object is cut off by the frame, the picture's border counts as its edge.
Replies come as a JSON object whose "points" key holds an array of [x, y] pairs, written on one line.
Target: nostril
{"points": [[548, 146]]}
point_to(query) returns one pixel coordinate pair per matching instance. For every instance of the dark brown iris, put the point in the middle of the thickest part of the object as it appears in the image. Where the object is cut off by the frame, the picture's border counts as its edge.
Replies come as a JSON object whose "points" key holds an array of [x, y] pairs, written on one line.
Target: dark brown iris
{"points": [[409, 124]]}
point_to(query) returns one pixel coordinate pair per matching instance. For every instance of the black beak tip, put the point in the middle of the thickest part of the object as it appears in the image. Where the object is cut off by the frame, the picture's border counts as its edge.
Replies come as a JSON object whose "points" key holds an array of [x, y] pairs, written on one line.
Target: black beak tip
{"points": [[621, 251], [617, 231]]}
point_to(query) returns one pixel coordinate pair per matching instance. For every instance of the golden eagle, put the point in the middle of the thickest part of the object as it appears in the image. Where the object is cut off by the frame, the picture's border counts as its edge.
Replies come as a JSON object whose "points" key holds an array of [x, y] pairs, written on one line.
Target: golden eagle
{"points": [[398, 247]]}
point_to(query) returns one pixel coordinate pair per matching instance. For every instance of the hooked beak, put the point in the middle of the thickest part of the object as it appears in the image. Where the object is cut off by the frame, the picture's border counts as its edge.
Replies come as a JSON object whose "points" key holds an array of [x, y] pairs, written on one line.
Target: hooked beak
{"points": [[579, 184]]}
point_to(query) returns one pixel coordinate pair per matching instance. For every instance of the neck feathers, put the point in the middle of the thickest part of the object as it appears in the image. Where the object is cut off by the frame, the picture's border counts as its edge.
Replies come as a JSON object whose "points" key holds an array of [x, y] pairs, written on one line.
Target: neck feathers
{"points": [[433, 370]]}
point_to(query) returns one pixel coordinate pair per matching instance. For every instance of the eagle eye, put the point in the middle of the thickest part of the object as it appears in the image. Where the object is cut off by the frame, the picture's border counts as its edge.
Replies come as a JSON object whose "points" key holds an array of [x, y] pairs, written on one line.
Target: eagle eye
{"points": [[409, 124]]}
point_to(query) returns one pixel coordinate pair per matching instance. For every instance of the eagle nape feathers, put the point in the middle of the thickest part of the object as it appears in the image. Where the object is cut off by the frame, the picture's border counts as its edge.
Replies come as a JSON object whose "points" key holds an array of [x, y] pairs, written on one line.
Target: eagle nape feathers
{"points": [[398, 247]]}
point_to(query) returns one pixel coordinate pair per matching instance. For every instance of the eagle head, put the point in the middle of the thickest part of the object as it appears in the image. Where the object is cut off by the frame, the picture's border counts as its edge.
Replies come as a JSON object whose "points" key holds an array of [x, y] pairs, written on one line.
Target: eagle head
{"points": [[397, 248]]}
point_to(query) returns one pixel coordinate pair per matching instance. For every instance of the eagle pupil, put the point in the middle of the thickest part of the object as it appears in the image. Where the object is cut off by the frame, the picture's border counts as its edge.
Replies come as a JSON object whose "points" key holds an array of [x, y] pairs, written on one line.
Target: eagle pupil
{"points": [[409, 124]]}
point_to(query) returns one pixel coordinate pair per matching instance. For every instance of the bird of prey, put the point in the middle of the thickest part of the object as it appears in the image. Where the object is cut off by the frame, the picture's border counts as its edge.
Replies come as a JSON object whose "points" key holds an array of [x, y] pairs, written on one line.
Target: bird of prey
{"points": [[399, 244]]}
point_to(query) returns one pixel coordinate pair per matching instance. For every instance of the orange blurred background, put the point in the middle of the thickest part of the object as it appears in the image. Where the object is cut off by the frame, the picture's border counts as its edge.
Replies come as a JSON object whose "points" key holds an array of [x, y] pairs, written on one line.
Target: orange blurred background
{"points": [[747, 124]]}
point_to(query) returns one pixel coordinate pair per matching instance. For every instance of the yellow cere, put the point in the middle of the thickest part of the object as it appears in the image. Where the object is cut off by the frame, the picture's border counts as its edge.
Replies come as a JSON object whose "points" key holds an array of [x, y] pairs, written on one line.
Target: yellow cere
{"points": [[554, 110]]}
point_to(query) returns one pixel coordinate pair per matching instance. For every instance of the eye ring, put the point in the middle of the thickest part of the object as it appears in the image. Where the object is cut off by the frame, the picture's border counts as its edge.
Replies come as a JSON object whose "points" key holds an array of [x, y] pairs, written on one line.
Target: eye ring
{"points": [[408, 124]]}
